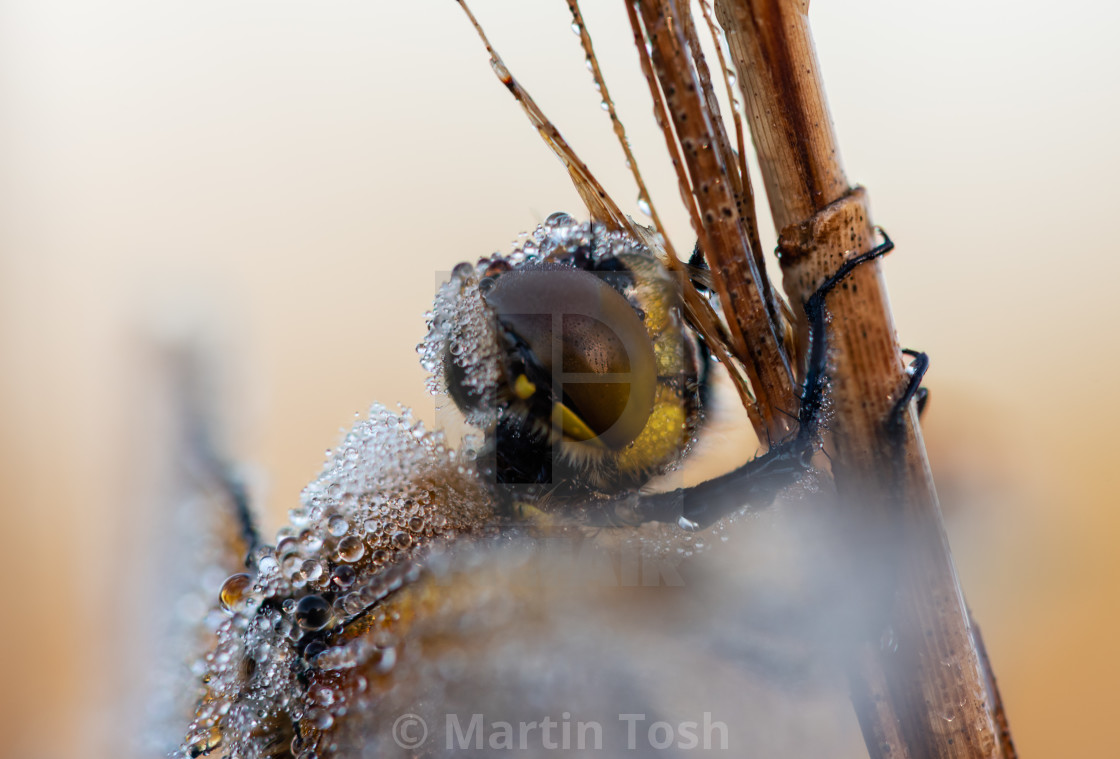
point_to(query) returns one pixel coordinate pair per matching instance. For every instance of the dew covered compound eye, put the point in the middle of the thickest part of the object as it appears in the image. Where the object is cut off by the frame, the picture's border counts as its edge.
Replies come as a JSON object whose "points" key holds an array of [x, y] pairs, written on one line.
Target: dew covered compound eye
{"points": [[580, 346], [573, 356]]}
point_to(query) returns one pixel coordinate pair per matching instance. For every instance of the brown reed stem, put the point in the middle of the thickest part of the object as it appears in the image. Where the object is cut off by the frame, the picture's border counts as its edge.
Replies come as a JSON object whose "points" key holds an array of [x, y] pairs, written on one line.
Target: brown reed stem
{"points": [[716, 194], [918, 681]]}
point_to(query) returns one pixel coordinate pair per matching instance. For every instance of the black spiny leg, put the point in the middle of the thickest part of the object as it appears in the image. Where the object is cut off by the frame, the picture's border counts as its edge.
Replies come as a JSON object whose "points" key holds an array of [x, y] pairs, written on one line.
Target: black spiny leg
{"points": [[812, 394], [760, 480], [914, 389], [919, 367]]}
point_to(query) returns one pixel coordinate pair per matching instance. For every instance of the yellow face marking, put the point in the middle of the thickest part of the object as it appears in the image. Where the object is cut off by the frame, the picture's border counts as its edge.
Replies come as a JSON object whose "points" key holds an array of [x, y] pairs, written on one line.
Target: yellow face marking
{"points": [[523, 388], [572, 426]]}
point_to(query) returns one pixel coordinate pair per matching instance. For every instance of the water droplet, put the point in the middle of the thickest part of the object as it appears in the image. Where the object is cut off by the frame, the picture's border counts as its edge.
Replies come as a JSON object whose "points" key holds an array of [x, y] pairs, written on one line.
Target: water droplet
{"points": [[687, 524], [235, 593], [321, 719], [351, 549], [501, 70], [388, 659], [402, 539], [204, 741], [313, 612], [337, 526], [643, 205], [343, 577], [312, 570], [268, 565], [310, 542], [291, 565], [322, 695]]}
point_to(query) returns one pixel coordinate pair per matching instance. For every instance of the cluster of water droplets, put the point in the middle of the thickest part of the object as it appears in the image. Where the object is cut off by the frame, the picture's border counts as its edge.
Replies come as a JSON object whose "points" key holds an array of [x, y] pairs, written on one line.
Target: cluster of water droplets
{"points": [[461, 327], [387, 492], [461, 332]]}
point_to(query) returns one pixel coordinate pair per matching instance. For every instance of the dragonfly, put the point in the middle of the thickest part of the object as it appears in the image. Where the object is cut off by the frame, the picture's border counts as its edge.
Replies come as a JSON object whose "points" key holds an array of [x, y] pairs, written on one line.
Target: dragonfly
{"points": [[429, 598]]}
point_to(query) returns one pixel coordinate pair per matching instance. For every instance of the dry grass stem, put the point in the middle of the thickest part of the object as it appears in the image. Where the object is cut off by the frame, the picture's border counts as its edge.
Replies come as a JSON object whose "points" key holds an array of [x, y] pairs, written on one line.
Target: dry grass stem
{"points": [[925, 691], [714, 192]]}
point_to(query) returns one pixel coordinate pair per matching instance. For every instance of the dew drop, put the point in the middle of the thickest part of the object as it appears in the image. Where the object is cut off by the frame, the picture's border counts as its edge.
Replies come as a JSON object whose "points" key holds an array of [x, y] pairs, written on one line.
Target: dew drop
{"points": [[351, 549], [386, 661], [313, 612], [343, 577], [234, 595], [501, 70], [337, 526], [352, 603], [687, 524], [323, 695], [203, 742], [310, 541], [321, 719], [268, 565], [643, 205], [312, 570]]}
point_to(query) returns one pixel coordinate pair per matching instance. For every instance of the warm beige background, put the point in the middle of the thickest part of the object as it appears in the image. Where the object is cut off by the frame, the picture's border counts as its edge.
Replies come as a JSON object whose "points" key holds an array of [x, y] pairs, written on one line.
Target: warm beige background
{"points": [[288, 177]]}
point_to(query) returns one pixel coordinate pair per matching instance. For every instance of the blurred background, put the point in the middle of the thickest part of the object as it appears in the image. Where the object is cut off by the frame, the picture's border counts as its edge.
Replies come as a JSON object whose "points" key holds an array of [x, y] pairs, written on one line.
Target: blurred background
{"points": [[282, 183]]}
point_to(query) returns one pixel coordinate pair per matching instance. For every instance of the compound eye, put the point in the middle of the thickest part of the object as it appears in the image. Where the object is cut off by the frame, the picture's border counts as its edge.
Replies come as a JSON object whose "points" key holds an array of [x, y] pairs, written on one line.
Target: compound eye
{"points": [[589, 344]]}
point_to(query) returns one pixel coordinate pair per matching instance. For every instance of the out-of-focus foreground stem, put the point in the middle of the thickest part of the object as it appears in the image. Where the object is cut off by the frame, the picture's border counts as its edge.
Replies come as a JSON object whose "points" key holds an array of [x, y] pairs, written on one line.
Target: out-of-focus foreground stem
{"points": [[918, 682]]}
